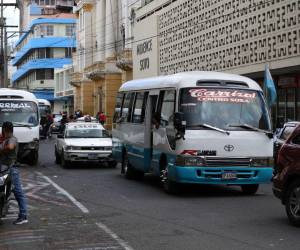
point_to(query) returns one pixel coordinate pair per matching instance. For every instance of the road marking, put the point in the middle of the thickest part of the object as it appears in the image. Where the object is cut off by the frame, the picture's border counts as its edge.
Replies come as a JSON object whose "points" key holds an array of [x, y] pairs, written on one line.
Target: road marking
{"points": [[64, 192], [122, 243], [102, 226]]}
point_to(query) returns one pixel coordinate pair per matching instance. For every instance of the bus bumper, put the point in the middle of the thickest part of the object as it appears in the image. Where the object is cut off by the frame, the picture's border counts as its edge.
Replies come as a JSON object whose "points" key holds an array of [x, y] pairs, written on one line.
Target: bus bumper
{"points": [[214, 175]]}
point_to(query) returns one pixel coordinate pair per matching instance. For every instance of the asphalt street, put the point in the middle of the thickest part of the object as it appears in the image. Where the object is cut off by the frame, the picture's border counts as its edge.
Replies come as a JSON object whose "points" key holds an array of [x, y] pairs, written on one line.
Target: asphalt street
{"points": [[94, 207]]}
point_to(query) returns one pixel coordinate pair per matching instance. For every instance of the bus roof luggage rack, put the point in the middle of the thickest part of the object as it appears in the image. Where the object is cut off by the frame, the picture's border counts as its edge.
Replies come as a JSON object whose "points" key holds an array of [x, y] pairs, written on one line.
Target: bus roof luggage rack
{"points": [[222, 83]]}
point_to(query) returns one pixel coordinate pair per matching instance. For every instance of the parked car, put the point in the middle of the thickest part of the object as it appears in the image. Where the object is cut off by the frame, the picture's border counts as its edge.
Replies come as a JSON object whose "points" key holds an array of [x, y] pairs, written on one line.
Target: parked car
{"points": [[55, 128], [286, 182], [84, 142], [280, 139]]}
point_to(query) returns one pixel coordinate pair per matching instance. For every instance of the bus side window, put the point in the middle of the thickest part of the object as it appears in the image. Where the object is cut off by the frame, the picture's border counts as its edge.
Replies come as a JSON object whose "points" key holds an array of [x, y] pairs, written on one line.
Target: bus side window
{"points": [[139, 107], [167, 107], [118, 107], [127, 107]]}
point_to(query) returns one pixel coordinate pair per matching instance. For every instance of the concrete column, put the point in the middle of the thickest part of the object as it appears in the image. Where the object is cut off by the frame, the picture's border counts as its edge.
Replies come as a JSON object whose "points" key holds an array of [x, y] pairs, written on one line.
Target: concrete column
{"points": [[111, 28], [87, 39], [100, 30]]}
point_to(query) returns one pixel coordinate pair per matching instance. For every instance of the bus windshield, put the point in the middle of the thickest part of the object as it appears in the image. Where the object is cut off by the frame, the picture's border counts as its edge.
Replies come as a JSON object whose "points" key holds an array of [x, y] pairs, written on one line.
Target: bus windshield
{"points": [[44, 109], [20, 113], [228, 109]]}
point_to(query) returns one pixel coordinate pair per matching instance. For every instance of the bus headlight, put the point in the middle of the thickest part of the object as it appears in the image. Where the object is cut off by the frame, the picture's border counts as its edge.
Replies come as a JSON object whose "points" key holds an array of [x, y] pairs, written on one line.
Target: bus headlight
{"points": [[262, 162], [189, 161]]}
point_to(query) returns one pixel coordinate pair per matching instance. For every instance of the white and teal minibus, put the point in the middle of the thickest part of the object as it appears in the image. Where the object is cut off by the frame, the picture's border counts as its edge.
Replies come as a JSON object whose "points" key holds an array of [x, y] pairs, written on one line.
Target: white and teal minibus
{"points": [[194, 127]]}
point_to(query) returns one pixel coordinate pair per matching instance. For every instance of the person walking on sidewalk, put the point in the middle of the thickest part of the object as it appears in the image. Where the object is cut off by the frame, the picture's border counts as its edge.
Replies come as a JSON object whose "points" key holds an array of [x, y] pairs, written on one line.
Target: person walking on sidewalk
{"points": [[8, 156]]}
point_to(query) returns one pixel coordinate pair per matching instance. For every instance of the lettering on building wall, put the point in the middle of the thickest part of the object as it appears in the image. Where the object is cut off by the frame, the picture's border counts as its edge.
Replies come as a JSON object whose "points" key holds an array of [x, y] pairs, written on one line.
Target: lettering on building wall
{"points": [[142, 49]]}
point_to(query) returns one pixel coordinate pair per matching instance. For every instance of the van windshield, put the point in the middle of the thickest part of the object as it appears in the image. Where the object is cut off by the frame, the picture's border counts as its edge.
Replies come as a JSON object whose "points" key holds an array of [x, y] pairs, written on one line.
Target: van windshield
{"points": [[228, 109], [20, 113]]}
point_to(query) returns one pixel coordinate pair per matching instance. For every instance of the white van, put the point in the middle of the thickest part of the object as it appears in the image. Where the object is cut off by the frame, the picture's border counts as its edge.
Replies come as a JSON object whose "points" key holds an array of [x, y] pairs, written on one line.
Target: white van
{"points": [[44, 107], [21, 108], [194, 127]]}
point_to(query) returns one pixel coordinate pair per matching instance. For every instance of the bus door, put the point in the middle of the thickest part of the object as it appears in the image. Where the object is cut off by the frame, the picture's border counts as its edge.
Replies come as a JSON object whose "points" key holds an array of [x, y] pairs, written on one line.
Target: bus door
{"points": [[150, 111], [163, 118]]}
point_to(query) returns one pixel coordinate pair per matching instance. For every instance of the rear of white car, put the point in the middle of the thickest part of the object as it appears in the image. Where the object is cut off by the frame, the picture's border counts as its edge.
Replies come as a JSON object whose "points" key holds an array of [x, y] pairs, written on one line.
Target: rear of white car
{"points": [[84, 142]]}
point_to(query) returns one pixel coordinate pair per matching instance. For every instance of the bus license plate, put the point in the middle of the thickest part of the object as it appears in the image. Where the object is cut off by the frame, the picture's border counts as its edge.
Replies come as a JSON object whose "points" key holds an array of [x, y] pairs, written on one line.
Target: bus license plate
{"points": [[92, 156], [229, 176]]}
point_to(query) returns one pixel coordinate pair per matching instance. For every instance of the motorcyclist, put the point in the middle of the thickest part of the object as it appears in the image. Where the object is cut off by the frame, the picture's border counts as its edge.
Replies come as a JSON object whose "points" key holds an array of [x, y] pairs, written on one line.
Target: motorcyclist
{"points": [[63, 122], [8, 156]]}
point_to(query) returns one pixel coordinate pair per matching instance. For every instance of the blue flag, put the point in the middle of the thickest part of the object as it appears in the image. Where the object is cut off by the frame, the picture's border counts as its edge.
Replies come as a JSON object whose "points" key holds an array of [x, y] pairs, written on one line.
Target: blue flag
{"points": [[269, 87]]}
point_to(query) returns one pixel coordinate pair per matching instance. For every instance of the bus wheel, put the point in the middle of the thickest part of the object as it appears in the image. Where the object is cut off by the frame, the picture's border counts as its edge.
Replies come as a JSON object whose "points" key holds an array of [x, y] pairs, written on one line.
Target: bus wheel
{"points": [[128, 170], [170, 187], [33, 158], [249, 189]]}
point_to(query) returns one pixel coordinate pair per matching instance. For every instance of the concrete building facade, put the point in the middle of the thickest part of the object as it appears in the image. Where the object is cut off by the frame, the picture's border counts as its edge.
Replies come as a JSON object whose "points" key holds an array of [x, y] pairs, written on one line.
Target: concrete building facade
{"points": [[47, 43], [234, 36], [103, 59], [64, 91]]}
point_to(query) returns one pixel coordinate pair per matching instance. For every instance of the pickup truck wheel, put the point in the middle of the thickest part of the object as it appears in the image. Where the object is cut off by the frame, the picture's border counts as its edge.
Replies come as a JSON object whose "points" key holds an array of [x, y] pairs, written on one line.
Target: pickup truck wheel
{"points": [[250, 189], [112, 164], [57, 157], [64, 163], [292, 204]]}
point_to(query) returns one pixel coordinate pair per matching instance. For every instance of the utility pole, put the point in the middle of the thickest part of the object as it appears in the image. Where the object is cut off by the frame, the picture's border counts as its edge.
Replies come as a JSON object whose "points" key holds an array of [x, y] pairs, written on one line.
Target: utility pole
{"points": [[3, 45], [1, 48]]}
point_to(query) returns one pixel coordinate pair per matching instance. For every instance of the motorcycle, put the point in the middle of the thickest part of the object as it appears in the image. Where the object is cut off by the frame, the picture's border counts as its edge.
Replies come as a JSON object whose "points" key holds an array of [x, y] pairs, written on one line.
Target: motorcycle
{"points": [[5, 189]]}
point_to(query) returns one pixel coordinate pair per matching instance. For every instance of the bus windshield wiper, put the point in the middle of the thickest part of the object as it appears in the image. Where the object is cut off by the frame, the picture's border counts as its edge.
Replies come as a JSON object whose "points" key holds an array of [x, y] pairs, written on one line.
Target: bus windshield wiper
{"points": [[247, 126], [204, 125], [28, 125]]}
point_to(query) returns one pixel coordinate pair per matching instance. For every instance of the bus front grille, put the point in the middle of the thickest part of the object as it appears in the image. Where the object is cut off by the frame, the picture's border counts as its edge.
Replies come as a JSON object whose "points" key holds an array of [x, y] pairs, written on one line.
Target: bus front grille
{"points": [[227, 162]]}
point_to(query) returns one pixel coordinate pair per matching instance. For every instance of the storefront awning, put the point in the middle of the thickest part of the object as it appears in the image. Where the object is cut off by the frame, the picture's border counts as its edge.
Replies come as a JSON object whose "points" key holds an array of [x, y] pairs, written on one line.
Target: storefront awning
{"points": [[44, 94]]}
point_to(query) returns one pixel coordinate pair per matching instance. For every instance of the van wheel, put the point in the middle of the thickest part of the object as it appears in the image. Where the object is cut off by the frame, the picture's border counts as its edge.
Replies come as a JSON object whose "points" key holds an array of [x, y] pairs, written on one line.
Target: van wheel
{"points": [[250, 189], [128, 170], [292, 204], [170, 187]]}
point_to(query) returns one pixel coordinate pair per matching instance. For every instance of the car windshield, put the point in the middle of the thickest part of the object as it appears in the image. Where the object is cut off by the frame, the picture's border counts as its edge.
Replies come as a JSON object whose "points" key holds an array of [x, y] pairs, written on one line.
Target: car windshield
{"points": [[57, 117], [223, 108], [86, 133], [287, 131], [20, 113]]}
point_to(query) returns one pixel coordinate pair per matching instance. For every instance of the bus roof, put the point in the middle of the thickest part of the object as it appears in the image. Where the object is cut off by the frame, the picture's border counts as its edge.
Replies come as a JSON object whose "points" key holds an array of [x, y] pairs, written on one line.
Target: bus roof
{"points": [[44, 102], [16, 94], [185, 79]]}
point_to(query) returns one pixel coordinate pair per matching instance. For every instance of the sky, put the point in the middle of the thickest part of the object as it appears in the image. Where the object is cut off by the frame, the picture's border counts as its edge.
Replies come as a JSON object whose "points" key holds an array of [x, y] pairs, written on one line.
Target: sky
{"points": [[12, 15]]}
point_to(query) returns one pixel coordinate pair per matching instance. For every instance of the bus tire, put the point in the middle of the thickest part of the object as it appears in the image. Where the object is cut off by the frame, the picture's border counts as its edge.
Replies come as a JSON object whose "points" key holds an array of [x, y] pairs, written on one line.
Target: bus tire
{"points": [[128, 170], [33, 157], [169, 186], [250, 189]]}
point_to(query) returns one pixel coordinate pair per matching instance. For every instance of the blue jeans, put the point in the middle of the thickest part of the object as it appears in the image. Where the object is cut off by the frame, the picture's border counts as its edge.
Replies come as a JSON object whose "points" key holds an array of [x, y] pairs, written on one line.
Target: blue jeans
{"points": [[18, 191]]}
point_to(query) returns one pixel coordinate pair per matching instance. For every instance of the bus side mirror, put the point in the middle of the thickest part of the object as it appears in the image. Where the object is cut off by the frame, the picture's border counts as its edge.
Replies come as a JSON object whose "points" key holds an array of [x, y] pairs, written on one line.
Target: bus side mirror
{"points": [[179, 125]]}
